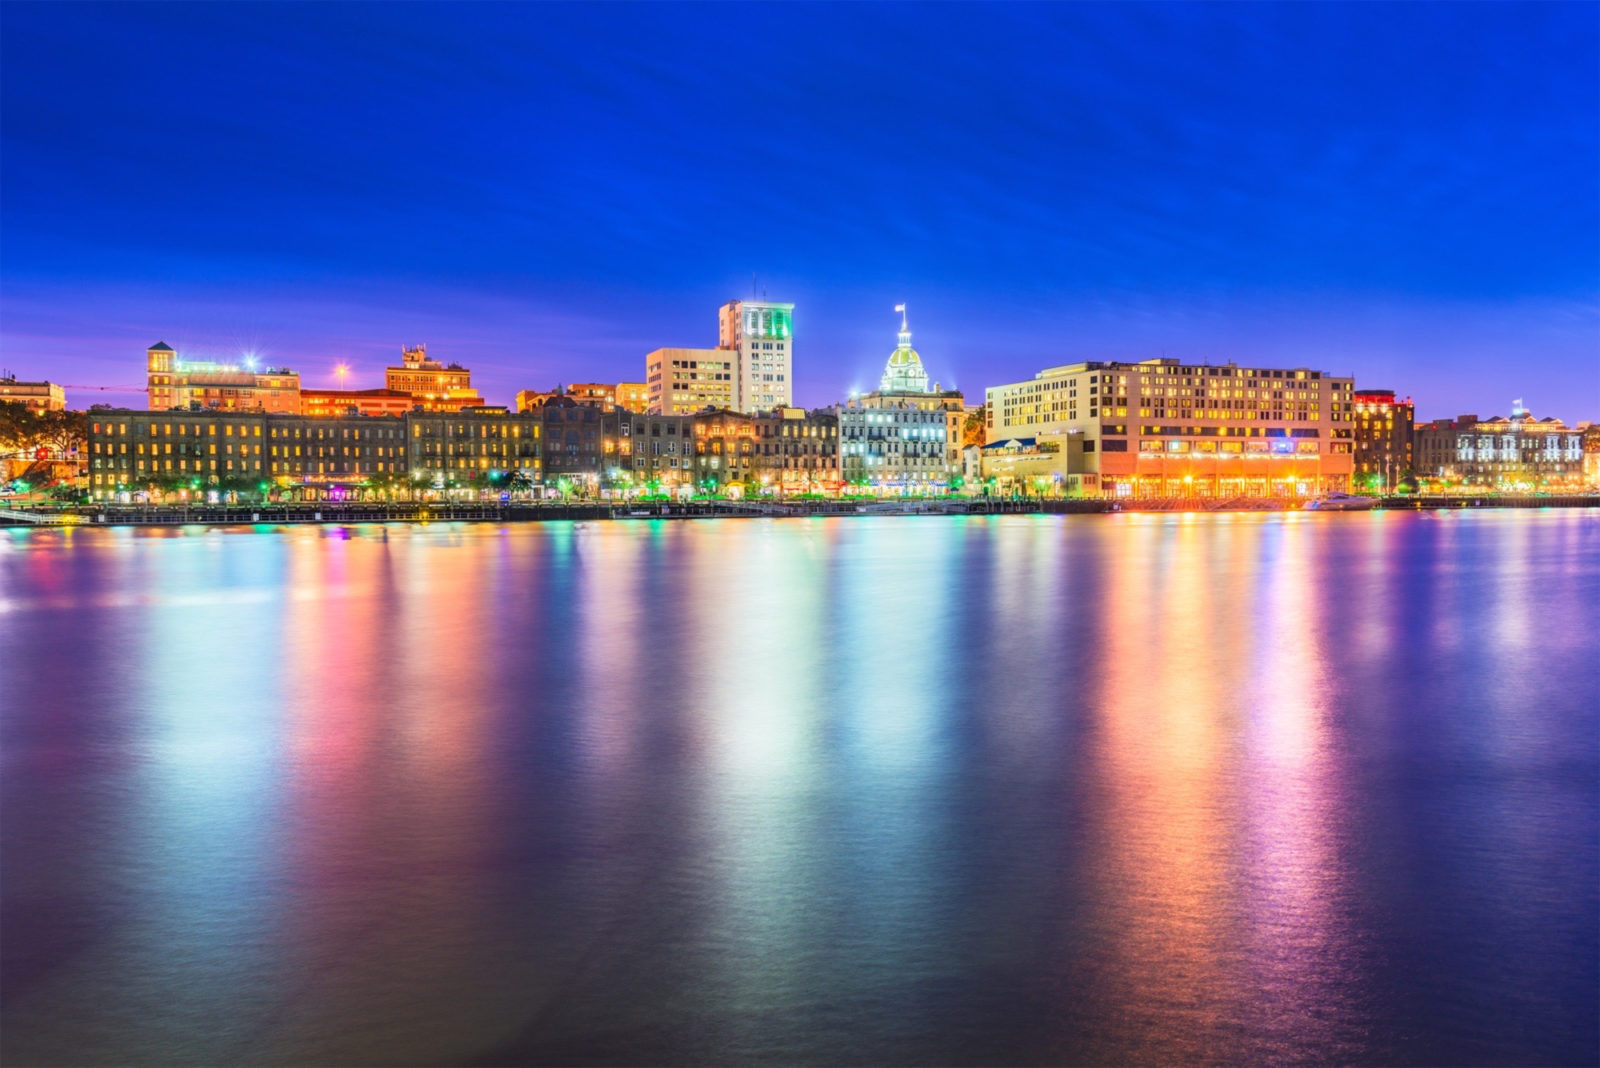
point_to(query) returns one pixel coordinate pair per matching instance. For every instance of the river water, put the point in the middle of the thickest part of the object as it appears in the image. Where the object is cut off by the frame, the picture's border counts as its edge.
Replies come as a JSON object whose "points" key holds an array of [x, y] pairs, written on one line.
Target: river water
{"points": [[1024, 789]]}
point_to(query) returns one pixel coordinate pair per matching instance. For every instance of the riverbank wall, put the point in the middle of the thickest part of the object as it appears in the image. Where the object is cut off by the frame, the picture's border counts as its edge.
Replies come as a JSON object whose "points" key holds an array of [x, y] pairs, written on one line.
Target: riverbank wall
{"points": [[527, 511]]}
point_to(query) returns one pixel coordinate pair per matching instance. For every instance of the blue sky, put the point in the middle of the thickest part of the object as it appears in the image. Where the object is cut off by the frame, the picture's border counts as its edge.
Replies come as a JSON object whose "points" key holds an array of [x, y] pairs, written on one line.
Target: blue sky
{"points": [[546, 192]]}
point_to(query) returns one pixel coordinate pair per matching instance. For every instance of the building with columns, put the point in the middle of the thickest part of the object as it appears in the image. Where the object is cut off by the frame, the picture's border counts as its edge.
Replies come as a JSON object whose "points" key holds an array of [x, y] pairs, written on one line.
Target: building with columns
{"points": [[904, 436]]}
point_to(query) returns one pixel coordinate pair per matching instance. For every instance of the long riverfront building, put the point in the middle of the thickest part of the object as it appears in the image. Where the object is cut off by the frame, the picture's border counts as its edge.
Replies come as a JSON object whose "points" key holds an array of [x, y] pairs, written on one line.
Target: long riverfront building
{"points": [[561, 444], [1165, 428]]}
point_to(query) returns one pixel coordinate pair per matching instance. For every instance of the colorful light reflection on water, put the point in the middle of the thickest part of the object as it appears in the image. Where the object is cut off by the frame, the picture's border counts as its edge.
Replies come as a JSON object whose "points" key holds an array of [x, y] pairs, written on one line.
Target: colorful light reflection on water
{"points": [[1023, 789]]}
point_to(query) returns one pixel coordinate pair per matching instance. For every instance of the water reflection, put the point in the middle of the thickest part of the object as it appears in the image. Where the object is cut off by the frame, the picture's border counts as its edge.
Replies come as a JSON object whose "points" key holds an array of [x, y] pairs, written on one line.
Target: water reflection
{"points": [[1119, 789]]}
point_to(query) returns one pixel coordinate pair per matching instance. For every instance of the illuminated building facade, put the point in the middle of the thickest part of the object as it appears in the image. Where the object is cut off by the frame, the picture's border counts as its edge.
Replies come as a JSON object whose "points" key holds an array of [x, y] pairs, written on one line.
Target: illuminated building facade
{"points": [[463, 449], [656, 451], [36, 396], [1029, 466], [1163, 428], [580, 442], [1591, 455], [1514, 453], [684, 381], [904, 436], [329, 402], [607, 396], [797, 451], [129, 450], [180, 383], [761, 335], [438, 387], [316, 452], [132, 450], [1384, 438], [724, 449], [633, 396], [528, 400]]}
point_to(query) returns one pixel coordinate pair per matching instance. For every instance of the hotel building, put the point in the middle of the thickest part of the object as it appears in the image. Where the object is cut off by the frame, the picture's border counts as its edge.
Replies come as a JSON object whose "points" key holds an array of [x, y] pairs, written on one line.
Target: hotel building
{"points": [[436, 386], [761, 337], [684, 381], [178, 383], [1164, 428], [1384, 439], [1509, 454], [36, 396]]}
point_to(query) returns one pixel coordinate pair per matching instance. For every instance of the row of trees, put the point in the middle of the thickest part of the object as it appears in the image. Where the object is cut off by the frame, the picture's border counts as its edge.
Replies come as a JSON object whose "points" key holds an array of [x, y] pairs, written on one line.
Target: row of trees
{"points": [[23, 430]]}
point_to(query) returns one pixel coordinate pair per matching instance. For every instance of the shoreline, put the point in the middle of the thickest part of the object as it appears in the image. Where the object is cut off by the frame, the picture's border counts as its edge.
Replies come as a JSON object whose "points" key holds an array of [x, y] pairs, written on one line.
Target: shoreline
{"points": [[531, 512]]}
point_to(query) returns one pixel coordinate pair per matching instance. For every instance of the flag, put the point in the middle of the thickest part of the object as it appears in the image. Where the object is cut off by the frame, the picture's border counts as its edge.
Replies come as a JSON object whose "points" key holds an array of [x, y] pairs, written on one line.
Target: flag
{"points": [[899, 307]]}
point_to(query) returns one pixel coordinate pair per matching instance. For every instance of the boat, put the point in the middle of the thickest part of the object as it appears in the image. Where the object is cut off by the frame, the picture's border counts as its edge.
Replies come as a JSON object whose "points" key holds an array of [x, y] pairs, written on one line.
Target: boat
{"points": [[1341, 502]]}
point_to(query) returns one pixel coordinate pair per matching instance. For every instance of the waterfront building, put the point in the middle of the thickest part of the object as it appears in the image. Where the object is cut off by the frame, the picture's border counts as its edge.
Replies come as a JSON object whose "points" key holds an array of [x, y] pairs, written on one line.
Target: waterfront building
{"points": [[580, 444], [36, 396], [1510, 454], [657, 452], [797, 451], [1050, 466], [760, 335], [1164, 428], [1591, 455], [473, 448], [132, 450], [684, 381], [314, 453], [724, 450], [906, 435], [1384, 438], [329, 402], [436, 386], [183, 383]]}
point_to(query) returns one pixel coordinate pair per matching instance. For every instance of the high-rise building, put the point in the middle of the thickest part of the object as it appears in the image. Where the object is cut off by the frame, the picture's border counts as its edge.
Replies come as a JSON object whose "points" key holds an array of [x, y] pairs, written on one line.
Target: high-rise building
{"points": [[1384, 439], [438, 387], [180, 383], [683, 381], [761, 334], [1164, 428]]}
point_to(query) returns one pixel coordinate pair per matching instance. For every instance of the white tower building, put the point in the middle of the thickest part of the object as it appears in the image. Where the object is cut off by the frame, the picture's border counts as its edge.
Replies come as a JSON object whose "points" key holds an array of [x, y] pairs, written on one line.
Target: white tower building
{"points": [[762, 333]]}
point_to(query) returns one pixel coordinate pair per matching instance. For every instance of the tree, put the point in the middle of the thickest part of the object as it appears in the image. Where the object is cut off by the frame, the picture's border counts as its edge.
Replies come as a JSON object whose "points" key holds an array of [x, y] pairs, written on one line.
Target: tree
{"points": [[519, 481], [64, 432], [972, 429], [18, 426]]}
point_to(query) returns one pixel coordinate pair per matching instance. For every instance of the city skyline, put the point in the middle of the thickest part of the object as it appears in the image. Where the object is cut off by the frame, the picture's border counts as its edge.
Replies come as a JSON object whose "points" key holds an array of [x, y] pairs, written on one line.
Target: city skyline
{"points": [[324, 186]]}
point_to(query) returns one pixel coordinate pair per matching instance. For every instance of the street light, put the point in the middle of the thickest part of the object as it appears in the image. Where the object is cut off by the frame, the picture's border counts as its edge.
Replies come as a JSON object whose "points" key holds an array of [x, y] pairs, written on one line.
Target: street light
{"points": [[342, 370]]}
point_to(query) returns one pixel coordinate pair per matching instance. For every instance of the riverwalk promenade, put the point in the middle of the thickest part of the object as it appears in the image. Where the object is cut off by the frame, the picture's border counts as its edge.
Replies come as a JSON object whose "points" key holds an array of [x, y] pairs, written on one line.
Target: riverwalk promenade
{"points": [[537, 511]]}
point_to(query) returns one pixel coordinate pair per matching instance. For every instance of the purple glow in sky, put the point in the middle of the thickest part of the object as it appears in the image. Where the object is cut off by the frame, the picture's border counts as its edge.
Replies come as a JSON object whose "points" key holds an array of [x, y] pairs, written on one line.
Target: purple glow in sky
{"points": [[1405, 194]]}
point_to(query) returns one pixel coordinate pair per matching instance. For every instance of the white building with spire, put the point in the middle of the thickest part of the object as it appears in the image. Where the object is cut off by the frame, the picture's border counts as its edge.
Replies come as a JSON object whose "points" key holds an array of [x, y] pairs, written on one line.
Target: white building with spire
{"points": [[903, 437]]}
